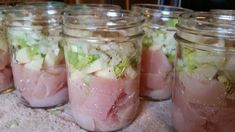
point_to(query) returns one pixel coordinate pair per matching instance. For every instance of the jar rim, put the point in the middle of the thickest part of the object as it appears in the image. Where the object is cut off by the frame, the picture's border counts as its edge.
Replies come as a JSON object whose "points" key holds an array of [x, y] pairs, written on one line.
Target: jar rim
{"points": [[84, 6], [45, 11], [202, 46], [42, 4], [207, 25], [159, 10], [104, 19], [222, 11]]}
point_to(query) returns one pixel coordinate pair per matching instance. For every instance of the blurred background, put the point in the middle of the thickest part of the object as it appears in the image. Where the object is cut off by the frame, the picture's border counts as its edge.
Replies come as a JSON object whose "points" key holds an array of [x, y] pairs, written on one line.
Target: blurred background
{"points": [[199, 5]]}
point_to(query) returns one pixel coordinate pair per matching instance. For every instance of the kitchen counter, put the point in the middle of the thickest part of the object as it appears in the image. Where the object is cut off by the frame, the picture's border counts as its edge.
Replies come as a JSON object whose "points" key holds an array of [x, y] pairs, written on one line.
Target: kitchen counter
{"points": [[15, 117]]}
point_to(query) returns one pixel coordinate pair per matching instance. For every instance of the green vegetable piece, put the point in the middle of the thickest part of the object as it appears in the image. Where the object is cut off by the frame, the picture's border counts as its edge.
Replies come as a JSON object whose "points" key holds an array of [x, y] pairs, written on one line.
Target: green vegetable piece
{"points": [[188, 62], [222, 79], [188, 55], [85, 59], [119, 68], [34, 50], [180, 65], [229, 85], [72, 58], [160, 32], [147, 41], [80, 60], [171, 57], [172, 22], [22, 43], [134, 62]]}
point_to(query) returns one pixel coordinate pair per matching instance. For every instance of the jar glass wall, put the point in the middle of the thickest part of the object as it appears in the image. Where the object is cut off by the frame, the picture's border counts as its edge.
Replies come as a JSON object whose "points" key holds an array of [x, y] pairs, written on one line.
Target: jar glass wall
{"points": [[158, 49], [6, 79], [37, 57], [102, 52], [204, 93], [43, 4], [95, 6]]}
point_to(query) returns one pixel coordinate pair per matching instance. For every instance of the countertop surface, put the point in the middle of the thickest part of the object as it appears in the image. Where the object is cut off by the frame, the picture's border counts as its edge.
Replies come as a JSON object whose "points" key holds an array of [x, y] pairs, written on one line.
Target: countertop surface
{"points": [[15, 117]]}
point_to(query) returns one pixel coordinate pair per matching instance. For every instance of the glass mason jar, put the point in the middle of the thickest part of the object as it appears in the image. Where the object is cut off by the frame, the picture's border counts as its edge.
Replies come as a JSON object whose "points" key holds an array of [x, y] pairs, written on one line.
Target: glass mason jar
{"points": [[158, 49], [102, 53], [37, 57], [6, 79], [204, 92]]}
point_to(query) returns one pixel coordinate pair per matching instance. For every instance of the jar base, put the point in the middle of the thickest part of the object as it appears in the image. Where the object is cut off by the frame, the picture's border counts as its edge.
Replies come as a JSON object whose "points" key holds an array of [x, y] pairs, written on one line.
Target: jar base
{"points": [[146, 98], [116, 127], [27, 104], [7, 90], [119, 129], [58, 99]]}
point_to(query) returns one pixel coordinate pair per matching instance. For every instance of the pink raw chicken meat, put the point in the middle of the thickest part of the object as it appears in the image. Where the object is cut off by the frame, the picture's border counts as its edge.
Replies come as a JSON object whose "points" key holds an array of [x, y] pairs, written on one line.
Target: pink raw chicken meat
{"points": [[197, 90], [4, 59], [104, 104], [202, 106], [5, 79], [155, 75], [43, 88], [5, 71]]}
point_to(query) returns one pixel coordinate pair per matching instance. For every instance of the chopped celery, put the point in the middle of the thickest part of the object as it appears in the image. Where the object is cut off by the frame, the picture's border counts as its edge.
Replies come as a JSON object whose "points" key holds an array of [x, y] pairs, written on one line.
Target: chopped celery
{"points": [[72, 58], [134, 62], [195, 58], [119, 68], [189, 59], [147, 41], [35, 45], [206, 66], [161, 39], [187, 62], [26, 54], [171, 56], [85, 59], [229, 85], [103, 60], [158, 40], [80, 60], [222, 79], [34, 50], [172, 22], [22, 43]]}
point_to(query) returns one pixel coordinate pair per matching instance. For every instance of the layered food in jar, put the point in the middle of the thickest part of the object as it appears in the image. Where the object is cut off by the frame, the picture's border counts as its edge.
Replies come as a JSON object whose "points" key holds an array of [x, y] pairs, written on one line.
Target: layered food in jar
{"points": [[204, 92], [37, 57], [158, 49], [6, 79], [103, 63]]}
